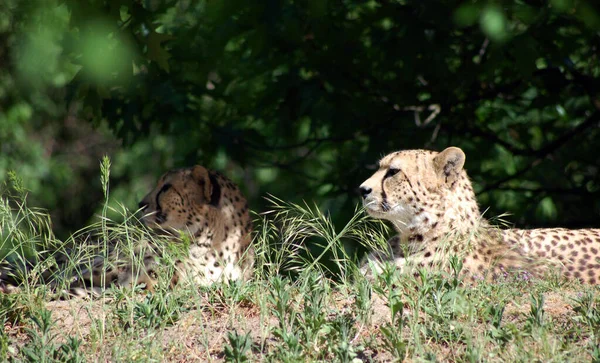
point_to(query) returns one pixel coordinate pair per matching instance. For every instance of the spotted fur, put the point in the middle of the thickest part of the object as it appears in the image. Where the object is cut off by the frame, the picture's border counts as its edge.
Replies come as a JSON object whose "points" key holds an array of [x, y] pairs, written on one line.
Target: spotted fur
{"points": [[210, 209], [429, 199], [200, 204]]}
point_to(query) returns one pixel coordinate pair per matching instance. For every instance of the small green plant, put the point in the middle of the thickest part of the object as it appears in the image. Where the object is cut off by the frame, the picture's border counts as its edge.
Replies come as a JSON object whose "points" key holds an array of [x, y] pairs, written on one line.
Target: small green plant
{"points": [[104, 180], [536, 312], [443, 300], [281, 299], [238, 348], [386, 279], [497, 332], [158, 309], [25, 233], [392, 332], [13, 308], [71, 352], [342, 331], [229, 294], [588, 313], [286, 315], [386, 285], [312, 320], [362, 299], [473, 352], [41, 346], [456, 266], [4, 341]]}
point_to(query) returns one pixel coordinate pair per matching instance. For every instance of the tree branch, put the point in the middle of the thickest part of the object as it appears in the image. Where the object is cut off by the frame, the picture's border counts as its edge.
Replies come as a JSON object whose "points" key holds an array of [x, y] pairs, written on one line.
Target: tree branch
{"points": [[547, 150]]}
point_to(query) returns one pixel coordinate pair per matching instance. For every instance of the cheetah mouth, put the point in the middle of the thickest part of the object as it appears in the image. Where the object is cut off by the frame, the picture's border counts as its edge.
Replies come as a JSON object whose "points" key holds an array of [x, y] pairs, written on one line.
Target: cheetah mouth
{"points": [[152, 219], [157, 222], [385, 210], [373, 206]]}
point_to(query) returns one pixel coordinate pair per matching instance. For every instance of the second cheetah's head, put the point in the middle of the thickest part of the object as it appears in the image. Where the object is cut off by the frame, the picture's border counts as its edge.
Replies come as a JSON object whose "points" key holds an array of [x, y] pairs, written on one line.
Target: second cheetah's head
{"points": [[178, 199], [409, 187]]}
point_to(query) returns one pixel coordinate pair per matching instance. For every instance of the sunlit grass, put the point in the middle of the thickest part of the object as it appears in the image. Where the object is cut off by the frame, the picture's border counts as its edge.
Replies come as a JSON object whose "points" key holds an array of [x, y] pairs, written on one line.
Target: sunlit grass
{"points": [[307, 300]]}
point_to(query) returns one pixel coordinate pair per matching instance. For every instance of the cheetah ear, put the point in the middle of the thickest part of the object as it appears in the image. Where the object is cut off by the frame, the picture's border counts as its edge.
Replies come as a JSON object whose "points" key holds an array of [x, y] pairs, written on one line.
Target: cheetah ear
{"points": [[202, 177], [449, 163]]}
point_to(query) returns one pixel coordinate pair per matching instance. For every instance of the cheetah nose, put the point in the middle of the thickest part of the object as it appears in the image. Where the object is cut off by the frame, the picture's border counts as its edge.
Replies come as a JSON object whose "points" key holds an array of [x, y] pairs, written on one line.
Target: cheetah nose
{"points": [[142, 205], [364, 191]]}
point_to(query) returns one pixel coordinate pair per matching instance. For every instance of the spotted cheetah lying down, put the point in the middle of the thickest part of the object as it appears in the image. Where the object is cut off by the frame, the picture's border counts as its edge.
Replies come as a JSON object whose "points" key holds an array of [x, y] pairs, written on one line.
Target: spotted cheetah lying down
{"points": [[430, 201], [193, 203]]}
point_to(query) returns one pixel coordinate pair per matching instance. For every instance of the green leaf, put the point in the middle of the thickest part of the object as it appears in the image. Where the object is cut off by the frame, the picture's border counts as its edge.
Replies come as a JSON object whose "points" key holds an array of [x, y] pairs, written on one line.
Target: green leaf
{"points": [[547, 209], [562, 5], [156, 52], [106, 55], [466, 15], [493, 23]]}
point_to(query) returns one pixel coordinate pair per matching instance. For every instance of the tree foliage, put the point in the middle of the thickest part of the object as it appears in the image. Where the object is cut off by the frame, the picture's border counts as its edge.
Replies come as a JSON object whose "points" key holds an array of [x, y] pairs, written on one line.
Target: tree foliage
{"points": [[301, 98]]}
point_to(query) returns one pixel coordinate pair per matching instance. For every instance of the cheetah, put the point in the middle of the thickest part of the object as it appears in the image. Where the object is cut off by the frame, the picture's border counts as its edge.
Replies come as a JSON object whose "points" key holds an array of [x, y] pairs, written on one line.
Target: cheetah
{"points": [[211, 208], [429, 199], [194, 204]]}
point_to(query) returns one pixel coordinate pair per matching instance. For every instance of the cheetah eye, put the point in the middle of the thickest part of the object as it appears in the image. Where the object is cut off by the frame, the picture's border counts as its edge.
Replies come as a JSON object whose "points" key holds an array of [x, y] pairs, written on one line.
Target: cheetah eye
{"points": [[162, 190], [391, 172]]}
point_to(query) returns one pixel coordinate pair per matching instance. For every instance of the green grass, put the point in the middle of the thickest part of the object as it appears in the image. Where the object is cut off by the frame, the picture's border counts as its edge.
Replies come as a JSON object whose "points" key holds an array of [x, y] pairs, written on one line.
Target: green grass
{"points": [[306, 302]]}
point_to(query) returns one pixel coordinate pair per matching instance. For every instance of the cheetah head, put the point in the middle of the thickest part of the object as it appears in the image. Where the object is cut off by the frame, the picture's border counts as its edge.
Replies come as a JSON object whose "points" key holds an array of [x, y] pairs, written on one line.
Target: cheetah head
{"points": [[409, 187], [180, 199]]}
